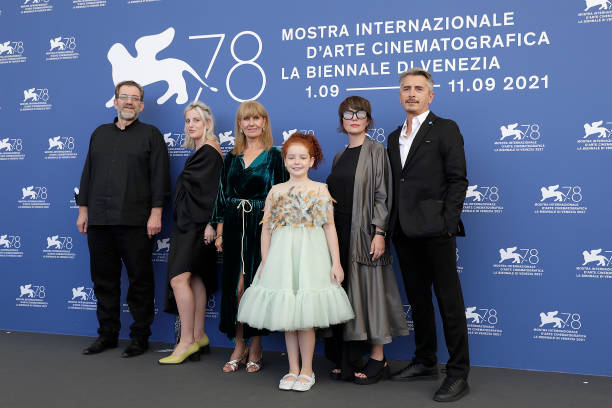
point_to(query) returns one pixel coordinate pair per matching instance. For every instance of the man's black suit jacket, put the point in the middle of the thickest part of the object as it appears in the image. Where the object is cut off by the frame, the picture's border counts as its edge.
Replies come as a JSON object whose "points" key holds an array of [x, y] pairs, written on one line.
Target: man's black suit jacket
{"points": [[430, 188]]}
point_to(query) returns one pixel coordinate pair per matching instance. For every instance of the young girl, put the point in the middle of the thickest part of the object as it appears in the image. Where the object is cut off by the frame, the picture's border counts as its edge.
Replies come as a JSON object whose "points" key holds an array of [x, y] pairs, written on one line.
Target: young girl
{"points": [[297, 286]]}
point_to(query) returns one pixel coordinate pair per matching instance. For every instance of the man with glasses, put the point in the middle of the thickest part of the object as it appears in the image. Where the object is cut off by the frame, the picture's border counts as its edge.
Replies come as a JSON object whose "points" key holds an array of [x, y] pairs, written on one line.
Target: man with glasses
{"points": [[429, 186], [124, 186]]}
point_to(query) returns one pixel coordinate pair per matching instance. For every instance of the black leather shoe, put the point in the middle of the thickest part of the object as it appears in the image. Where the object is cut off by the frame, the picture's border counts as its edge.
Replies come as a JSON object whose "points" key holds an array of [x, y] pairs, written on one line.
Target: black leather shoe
{"points": [[417, 371], [452, 389], [100, 345], [135, 348]]}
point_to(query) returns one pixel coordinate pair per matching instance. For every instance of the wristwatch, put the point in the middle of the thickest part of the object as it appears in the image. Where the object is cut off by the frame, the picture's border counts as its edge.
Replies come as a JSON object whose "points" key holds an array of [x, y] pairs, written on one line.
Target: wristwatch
{"points": [[383, 233]]}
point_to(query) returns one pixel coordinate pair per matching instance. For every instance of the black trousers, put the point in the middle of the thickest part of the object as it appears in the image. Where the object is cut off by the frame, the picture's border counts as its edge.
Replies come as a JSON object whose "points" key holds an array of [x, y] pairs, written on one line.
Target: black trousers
{"points": [[109, 245], [432, 261]]}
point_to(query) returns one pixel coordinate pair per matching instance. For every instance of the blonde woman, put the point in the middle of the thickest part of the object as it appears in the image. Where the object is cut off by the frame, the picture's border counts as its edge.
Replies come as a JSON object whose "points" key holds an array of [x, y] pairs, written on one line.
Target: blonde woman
{"points": [[192, 272], [249, 172]]}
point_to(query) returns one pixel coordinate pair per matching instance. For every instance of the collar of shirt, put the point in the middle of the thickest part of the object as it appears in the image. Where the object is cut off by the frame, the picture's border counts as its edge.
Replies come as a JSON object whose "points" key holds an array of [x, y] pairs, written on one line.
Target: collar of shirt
{"points": [[416, 124], [128, 126]]}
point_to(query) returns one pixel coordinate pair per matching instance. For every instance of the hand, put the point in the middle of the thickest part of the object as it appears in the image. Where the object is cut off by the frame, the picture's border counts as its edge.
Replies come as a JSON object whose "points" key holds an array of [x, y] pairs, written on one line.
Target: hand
{"points": [[219, 243], [209, 234], [82, 220], [377, 247], [154, 225], [337, 273]]}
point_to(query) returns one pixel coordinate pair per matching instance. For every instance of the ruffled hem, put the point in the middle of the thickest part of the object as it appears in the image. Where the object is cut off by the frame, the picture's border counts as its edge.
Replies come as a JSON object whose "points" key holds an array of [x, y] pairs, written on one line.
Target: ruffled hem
{"points": [[282, 310]]}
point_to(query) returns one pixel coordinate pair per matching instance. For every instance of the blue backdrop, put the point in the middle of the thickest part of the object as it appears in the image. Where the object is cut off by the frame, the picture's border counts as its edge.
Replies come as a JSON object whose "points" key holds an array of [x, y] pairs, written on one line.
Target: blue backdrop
{"points": [[528, 83]]}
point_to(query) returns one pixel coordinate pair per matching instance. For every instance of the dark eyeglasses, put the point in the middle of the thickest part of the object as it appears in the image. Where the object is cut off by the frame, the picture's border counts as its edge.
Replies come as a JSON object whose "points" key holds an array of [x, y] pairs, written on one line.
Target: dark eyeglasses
{"points": [[349, 114]]}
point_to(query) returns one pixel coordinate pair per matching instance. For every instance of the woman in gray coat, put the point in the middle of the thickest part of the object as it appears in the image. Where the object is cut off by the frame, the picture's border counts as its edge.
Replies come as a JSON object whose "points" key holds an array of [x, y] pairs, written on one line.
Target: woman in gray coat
{"points": [[360, 182]]}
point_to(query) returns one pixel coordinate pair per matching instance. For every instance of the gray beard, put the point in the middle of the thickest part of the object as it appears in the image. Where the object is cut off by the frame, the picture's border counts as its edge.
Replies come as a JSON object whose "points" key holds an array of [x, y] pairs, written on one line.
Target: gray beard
{"points": [[128, 117]]}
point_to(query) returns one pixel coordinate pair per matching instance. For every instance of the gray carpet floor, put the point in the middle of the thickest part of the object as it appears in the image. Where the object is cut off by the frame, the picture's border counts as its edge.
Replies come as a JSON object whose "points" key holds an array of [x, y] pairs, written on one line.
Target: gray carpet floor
{"points": [[42, 370]]}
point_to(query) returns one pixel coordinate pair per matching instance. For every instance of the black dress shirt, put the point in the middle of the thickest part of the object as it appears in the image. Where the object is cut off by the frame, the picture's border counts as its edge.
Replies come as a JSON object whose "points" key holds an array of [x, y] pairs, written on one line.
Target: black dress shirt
{"points": [[126, 173]]}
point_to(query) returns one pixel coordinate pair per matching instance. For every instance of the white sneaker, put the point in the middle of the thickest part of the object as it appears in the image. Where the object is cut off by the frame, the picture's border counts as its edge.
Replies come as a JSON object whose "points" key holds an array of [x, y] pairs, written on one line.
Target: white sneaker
{"points": [[304, 385], [286, 383]]}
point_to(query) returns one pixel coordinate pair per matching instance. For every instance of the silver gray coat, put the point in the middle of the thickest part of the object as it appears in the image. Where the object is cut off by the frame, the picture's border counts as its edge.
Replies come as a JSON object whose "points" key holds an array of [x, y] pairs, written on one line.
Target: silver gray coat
{"points": [[371, 201], [372, 288]]}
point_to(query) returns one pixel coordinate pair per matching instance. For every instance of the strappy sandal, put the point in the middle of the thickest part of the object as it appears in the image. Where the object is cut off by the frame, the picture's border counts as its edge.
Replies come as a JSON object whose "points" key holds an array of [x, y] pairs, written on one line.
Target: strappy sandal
{"points": [[336, 375], [257, 364], [374, 372], [234, 365]]}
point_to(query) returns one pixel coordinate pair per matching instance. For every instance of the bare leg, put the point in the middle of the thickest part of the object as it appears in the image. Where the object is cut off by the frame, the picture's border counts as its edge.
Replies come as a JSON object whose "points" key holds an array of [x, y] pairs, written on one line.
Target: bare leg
{"points": [[186, 306], [306, 339], [377, 353], [255, 353], [241, 347], [199, 293], [255, 350], [293, 351]]}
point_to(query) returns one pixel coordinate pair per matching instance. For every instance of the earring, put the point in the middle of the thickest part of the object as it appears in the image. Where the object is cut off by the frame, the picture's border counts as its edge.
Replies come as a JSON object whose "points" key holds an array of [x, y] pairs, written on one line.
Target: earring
{"points": [[241, 131]]}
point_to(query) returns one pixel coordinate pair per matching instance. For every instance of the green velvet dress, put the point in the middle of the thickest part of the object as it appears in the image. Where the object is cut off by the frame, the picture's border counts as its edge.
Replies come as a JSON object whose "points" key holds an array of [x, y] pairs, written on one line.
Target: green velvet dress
{"points": [[240, 203]]}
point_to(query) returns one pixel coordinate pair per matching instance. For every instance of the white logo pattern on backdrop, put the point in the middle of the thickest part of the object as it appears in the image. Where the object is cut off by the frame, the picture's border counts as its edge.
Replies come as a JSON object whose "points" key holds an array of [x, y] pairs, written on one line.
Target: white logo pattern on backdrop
{"points": [[595, 264], [511, 130], [163, 244], [227, 141], [4, 144], [57, 43], [560, 199], [595, 11], [482, 321], [6, 47], [597, 135], [603, 4], [31, 295], [596, 128], [59, 247], [559, 326], [146, 69]]}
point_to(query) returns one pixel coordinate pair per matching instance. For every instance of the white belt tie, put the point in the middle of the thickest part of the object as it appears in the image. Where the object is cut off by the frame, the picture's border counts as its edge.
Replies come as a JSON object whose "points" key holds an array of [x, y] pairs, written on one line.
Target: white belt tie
{"points": [[243, 203]]}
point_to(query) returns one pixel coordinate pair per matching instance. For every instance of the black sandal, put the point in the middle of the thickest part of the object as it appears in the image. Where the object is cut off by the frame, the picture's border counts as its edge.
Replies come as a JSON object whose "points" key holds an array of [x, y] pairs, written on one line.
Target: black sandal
{"points": [[336, 376], [374, 371]]}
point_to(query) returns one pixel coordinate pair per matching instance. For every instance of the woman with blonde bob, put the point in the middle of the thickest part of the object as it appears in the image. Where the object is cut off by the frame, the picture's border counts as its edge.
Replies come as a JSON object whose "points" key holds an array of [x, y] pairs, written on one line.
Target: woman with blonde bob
{"points": [[192, 271], [249, 172]]}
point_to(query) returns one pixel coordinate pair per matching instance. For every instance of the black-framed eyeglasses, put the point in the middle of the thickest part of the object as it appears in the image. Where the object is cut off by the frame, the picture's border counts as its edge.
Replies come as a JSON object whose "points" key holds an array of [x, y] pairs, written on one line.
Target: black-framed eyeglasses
{"points": [[349, 114], [125, 97]]}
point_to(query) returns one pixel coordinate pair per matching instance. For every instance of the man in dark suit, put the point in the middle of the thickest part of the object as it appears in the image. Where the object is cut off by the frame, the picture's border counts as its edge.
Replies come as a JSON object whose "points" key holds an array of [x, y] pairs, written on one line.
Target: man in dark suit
{"points": [[429, 183]]}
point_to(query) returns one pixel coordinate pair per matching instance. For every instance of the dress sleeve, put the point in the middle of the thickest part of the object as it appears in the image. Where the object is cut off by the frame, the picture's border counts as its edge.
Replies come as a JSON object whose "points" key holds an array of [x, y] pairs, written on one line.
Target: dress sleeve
{"points": [[280, 172], [201, 182], [382, 189], [327, 206], [221, 201]]}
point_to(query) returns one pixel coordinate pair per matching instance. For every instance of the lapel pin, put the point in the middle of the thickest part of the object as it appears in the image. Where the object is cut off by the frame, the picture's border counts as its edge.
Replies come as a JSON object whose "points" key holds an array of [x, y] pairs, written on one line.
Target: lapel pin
{"points": [[430, 122]]}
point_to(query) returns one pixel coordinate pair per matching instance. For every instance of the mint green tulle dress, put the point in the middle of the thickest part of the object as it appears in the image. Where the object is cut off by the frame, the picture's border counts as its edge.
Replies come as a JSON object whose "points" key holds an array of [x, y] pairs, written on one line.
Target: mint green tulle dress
{"points": [[294, 289]]}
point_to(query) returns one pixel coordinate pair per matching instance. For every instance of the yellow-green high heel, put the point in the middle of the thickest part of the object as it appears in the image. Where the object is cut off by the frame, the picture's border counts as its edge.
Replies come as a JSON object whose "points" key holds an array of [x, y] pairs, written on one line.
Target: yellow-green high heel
{"points": [[204, 344], [192, 353]]}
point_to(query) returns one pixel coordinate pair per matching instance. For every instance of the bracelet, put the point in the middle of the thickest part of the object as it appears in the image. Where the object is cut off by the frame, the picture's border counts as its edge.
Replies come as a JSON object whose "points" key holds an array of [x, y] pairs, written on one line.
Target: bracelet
{"points": [[383, 233], [218, 236]]}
